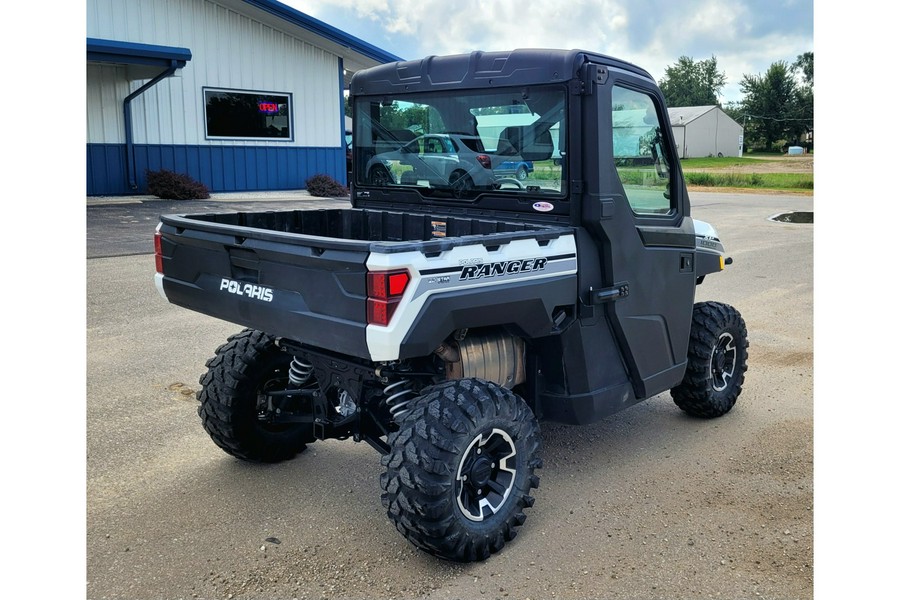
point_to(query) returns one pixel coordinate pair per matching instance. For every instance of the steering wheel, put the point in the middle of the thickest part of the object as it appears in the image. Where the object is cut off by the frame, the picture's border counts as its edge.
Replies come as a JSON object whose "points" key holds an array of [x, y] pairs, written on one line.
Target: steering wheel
{"points": [[510, 183]]}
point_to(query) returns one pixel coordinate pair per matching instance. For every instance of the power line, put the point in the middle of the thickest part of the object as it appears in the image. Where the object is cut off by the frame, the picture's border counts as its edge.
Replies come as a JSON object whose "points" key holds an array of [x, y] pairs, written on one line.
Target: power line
{"points": [[746, 115]]}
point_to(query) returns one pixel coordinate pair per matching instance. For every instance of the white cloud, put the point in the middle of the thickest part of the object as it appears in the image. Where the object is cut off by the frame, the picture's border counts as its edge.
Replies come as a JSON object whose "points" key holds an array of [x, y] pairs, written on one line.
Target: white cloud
{"points": [[745, 37]]}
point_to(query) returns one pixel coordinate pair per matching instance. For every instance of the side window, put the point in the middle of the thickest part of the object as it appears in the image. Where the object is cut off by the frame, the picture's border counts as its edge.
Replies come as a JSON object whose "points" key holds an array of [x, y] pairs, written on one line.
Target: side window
{"points": [[433, 146], [639, 152]]}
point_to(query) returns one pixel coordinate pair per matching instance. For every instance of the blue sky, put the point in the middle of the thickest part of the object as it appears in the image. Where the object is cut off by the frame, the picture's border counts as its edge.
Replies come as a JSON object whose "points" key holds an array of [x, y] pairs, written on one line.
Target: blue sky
{"points": [[745, 36]]}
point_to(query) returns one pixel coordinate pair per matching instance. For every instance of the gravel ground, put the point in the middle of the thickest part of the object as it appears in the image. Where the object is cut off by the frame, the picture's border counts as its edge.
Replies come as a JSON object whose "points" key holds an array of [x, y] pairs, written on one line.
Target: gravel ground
{"points": [[645, 504]]}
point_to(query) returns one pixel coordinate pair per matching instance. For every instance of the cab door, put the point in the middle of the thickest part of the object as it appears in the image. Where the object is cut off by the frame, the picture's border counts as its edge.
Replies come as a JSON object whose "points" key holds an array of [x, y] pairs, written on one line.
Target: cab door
{"points": [[641, 224]]}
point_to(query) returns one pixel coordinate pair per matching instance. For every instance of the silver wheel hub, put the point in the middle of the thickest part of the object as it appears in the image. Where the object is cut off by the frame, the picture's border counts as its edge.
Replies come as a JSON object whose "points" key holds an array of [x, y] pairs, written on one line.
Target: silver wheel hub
{"points": [[723, 362], [486, 474]]}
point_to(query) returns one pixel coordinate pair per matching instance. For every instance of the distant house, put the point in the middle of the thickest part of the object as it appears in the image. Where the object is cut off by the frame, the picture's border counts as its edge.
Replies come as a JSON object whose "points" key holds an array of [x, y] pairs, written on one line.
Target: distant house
{"points": [[702, 131]]}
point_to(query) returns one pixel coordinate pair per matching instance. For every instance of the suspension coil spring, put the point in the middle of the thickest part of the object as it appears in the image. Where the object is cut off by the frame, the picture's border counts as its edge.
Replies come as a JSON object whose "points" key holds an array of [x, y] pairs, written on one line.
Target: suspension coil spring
{"points": [[299, 371], [399, 395]]}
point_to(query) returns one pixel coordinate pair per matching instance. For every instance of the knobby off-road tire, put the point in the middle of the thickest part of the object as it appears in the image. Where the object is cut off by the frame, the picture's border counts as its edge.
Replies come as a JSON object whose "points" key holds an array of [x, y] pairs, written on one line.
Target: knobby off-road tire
{"points": [[233, 390], [717, 361], [460, 469]]}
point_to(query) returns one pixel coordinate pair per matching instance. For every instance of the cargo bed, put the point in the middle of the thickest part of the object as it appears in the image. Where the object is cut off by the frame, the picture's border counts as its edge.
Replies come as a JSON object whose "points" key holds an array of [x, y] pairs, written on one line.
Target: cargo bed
{"points": [[301, 274]]}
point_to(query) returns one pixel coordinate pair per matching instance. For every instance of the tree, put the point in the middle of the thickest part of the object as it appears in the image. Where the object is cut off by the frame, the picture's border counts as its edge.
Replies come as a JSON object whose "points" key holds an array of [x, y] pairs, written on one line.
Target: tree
{"points": [[804, 108], [416, 118], [776, 106], [804, 64], [690, 83], [768, 103]]}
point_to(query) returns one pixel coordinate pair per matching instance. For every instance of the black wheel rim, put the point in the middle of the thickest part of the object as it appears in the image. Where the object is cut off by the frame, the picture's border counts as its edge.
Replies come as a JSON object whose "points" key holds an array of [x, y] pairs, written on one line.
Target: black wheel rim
{"points": [[486, 474], [723, 362], [460, 183], [380, 176]]}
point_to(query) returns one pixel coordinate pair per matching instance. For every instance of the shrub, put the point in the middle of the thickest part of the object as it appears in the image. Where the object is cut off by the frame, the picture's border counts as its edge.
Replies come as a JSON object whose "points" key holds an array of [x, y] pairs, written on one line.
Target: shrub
{"points": [[324, 185], [175, 186]]}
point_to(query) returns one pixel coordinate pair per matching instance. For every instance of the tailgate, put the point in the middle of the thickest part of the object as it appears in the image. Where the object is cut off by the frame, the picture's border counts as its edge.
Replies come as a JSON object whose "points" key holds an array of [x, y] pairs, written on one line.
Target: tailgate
{"points": [[308, 289]]}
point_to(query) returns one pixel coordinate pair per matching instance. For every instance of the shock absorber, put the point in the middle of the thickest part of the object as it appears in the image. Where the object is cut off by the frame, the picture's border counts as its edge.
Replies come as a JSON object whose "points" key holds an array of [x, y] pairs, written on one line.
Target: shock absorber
{"points": [[299, 371], [398, 396]]}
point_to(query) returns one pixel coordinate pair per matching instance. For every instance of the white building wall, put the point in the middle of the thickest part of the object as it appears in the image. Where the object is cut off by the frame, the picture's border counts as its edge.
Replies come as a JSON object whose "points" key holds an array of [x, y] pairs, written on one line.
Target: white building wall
{"points": [[728, 140], [700, 136], [678, 134], [106, 87], [710, 134], [229, 50]]}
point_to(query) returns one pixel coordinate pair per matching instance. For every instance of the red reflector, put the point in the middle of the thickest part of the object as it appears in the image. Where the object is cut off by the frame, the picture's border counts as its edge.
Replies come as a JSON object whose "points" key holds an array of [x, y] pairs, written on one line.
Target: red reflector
{"points": [[157, 249], [385, 290], [386, 284], [379, 312]]}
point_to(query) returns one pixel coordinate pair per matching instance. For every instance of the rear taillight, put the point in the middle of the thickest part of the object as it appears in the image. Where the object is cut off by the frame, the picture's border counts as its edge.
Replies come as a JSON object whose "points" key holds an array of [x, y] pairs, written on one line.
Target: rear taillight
{"points": [[385, 290], [484, 160], [157, 249]]}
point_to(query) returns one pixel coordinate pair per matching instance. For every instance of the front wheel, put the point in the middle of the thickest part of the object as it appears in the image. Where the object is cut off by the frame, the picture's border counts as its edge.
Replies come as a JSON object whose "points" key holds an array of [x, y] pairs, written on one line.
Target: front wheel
{"points": [[380, 175], [717, 361], [460, 469], [233, 399]]}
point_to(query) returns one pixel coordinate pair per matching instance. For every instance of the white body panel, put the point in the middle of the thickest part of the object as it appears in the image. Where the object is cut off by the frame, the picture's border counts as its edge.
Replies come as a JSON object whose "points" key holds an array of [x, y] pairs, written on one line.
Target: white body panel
{"points": [[384, 342], [158, 281]]}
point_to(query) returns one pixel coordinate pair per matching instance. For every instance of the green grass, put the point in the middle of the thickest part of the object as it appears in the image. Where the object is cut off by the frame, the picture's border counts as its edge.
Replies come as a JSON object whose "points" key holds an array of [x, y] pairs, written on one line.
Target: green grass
{"points": [[758, 181], [769, 181], [545, 170], [720, 163]]}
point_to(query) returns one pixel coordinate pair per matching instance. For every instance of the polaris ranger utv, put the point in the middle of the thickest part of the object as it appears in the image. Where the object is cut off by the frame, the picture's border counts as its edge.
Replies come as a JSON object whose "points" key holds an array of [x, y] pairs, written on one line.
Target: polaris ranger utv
{"points": [[451, 309]]}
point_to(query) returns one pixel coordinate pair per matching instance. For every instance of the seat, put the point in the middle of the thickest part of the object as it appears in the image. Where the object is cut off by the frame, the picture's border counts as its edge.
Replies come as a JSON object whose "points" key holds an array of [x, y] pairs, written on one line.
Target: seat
{"points": [[508, 142]]}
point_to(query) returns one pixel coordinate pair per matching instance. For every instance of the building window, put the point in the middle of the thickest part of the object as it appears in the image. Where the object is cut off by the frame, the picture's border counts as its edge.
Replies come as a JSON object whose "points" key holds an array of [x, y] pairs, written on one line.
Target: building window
{"points": [[248, 115], [640, 153]]}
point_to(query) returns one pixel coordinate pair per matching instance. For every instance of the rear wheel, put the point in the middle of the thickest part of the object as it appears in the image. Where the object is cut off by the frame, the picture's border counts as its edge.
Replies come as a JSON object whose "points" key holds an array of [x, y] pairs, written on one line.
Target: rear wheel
{"points": [[233, 399], [461, 182], [521, 173], [717, 361], [460, 469]]}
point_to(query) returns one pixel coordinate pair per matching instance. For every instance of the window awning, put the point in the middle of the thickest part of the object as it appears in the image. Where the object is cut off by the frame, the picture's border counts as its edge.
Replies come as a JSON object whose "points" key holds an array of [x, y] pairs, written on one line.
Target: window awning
{"points": [[144, 61]]}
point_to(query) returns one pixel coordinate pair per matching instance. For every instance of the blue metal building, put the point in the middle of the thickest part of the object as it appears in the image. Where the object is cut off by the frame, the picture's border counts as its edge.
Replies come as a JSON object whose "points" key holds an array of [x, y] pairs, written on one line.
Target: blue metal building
{"points": [[238, 94]]}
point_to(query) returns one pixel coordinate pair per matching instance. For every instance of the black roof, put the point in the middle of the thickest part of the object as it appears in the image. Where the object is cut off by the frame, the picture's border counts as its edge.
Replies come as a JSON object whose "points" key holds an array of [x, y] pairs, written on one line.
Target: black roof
{"points": [[481, 69]]}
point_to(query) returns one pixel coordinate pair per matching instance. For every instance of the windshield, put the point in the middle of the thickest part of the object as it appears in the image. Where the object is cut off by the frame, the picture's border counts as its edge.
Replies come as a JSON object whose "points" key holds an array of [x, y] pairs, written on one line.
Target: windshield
{"points": [[462, 144]]}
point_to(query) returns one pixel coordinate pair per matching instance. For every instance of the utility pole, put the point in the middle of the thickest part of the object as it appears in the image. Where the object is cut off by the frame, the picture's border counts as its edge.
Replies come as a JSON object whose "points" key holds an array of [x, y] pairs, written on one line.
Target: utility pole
{"points": [[743, 135]]}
